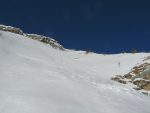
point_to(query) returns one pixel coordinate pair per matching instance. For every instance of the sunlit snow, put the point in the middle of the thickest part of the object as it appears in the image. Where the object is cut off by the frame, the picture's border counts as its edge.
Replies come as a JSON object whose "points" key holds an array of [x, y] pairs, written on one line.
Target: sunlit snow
{"points": [[35, 78]]}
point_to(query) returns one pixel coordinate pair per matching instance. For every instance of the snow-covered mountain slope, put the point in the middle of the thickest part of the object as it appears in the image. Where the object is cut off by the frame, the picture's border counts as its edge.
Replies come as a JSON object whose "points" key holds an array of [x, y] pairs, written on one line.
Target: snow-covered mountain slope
{"points": [[41, 38], [36, 78]]}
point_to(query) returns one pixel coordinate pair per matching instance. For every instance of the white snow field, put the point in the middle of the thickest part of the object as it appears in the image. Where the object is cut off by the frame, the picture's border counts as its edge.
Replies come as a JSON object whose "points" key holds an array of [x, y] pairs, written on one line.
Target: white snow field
{"points": [[35, 78]]}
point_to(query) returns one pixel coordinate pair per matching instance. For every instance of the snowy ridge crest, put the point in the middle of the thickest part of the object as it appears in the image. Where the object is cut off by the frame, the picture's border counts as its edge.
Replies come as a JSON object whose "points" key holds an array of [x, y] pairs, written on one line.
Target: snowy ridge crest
{"points": [[41, 38], [11, 29]]}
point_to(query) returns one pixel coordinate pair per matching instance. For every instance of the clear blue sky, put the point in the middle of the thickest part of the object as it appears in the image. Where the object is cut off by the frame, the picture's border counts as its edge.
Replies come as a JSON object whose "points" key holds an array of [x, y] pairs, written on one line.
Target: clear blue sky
{"points": [[104, 26]]}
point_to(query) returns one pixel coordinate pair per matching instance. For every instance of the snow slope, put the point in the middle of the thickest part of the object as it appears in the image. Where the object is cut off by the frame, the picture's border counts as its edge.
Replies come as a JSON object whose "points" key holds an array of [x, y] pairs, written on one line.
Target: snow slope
{"points": [[35, 78]]}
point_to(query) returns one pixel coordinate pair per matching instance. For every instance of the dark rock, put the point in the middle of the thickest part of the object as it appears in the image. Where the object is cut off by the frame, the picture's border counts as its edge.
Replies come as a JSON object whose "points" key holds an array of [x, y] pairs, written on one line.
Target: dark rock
{"points": [[128, 76], [119, 79], [145, 93], [143, 84], [137, 88]]}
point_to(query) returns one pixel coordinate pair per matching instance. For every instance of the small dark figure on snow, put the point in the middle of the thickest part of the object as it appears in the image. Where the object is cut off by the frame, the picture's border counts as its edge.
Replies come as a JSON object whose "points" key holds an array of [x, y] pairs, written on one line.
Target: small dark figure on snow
{"points": [[119, 64]]}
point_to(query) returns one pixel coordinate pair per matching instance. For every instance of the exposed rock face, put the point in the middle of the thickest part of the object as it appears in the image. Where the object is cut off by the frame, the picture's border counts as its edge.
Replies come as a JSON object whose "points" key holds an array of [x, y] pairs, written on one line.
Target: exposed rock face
{"points": [[11, 29], [142, 84], [147, 76], [46, 40], [142, 71], [119, 79], [139, 76], [40, 38]]}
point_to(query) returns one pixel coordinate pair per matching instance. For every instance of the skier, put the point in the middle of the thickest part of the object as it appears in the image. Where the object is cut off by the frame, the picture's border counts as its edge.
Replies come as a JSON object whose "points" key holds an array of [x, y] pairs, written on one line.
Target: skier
{"points": [[119, 64]]}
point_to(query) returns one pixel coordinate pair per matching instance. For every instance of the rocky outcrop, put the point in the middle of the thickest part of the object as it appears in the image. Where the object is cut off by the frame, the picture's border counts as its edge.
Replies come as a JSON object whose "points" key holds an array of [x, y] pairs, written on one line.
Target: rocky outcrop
{"points": [[46, 40], [43, 39], [119, 78], [142, 84], [139, 76], [11, 29], [140, 71]]}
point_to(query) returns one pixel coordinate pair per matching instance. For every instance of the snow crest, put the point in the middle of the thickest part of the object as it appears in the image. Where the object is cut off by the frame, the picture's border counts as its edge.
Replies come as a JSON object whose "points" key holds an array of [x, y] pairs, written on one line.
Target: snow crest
{"points": [[40, 38]]}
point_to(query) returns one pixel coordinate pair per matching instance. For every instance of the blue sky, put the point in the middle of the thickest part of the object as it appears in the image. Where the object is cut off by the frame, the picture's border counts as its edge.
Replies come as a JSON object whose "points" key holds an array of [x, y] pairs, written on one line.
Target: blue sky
{"points": [[104, 26]]}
